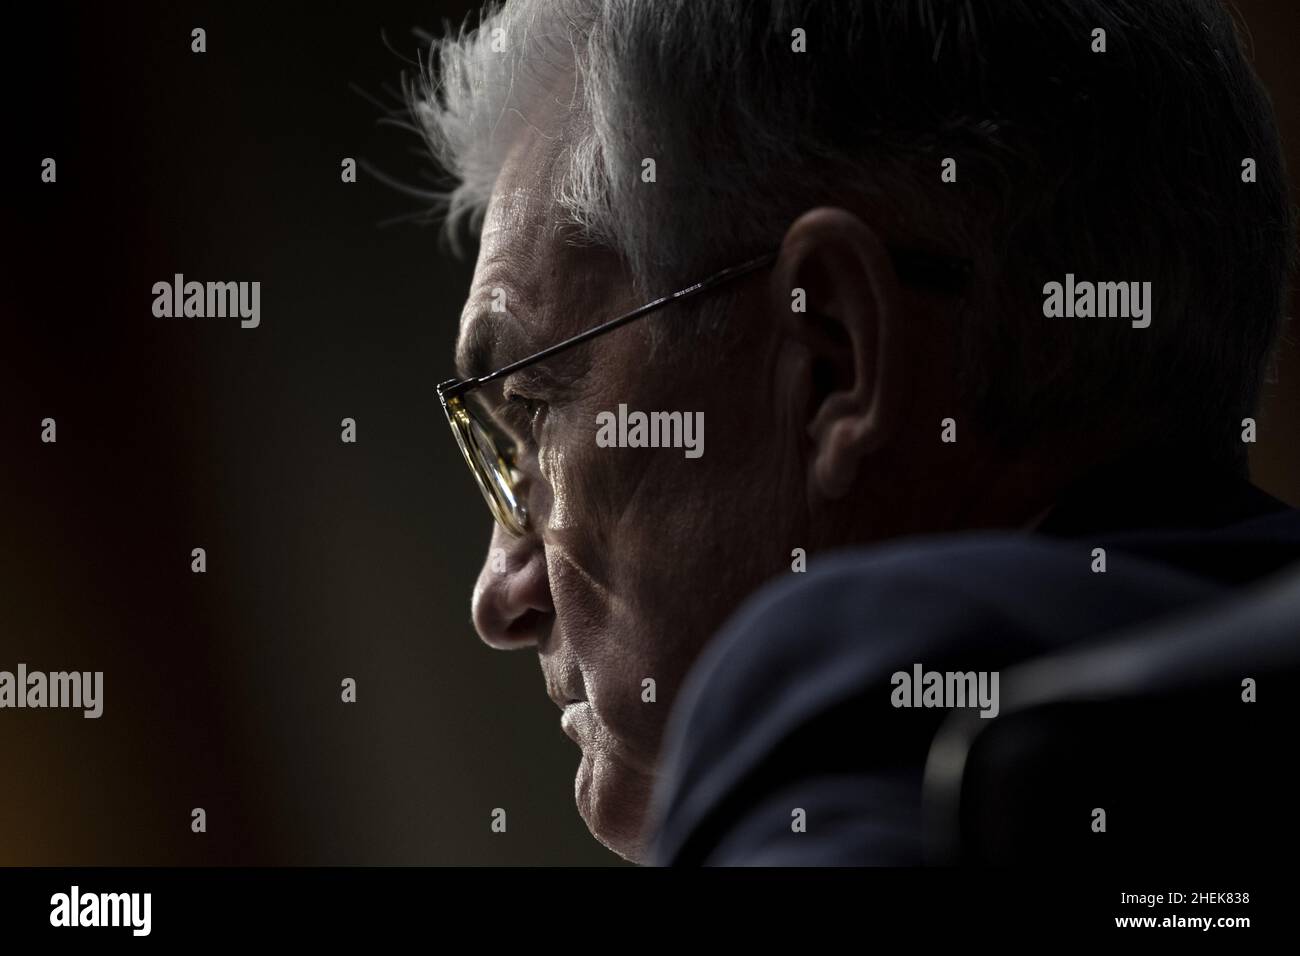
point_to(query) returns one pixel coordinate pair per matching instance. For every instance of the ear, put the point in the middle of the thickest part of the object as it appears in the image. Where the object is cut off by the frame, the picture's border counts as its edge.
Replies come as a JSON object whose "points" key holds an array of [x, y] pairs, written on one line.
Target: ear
{"points": [[849, 386]]}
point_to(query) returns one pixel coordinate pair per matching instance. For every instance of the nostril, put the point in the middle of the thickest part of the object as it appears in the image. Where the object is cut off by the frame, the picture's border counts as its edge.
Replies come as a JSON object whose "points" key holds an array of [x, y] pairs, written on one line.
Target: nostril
{"points": [[512, 605], [526, 627]]}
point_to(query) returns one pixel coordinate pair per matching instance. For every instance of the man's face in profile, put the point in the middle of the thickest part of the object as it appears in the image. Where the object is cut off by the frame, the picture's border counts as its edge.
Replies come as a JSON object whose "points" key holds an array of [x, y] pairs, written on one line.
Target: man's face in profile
{"points": [[847, 398], [619, 537]]}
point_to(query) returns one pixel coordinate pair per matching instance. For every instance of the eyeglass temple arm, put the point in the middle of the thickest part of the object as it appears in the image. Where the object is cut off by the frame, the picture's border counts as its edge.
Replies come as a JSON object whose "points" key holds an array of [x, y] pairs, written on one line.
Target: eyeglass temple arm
{"points": [[641, 311], [943, 273]]}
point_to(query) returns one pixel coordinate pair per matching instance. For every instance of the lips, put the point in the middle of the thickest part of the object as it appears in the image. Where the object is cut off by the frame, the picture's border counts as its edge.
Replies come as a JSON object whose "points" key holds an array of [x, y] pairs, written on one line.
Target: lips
{"points": [[576, 721], [563, 699]]}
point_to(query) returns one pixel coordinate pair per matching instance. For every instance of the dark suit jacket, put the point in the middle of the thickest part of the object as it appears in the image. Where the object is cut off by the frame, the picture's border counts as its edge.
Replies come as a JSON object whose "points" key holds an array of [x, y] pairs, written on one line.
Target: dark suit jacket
{"points": [[789, 706]]}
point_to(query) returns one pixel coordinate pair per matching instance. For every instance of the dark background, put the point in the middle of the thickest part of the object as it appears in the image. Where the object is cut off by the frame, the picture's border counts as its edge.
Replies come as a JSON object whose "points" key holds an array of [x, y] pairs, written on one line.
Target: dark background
{"points": [[325, 560]]}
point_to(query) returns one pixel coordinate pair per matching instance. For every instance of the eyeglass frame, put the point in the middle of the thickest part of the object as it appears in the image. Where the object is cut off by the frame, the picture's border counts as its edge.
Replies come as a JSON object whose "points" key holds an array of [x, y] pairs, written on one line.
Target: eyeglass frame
{"points": [[940, 272]]}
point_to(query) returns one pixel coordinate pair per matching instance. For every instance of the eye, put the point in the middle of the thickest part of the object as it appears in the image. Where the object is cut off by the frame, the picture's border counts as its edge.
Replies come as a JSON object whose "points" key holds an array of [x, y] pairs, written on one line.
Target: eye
{"points": [[526, 411]]}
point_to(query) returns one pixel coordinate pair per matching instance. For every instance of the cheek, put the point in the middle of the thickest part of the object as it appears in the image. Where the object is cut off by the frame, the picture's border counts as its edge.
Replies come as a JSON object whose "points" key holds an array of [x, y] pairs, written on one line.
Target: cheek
{"points": [[632, 657], [624, 552], [616, 643], [554, 486], [569, 473]]}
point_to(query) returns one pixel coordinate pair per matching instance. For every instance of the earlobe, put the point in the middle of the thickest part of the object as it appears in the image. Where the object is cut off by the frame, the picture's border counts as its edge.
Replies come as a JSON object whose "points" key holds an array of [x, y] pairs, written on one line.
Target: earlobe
{"points": [[842, 435], [850, 334]]}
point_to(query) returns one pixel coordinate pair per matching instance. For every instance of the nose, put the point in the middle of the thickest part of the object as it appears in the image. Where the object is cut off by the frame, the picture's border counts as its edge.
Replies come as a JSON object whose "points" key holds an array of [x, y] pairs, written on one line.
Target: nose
{"points": [[512, 605]]}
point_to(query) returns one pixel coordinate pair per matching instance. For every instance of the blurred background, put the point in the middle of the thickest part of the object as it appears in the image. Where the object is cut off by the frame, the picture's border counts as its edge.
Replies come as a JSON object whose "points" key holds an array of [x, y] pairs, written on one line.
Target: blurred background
{"points": [[325, 560]]}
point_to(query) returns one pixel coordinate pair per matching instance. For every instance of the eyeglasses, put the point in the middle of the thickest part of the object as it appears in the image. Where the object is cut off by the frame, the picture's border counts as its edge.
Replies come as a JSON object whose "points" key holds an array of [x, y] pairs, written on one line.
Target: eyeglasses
{"points": [[494, 456]]}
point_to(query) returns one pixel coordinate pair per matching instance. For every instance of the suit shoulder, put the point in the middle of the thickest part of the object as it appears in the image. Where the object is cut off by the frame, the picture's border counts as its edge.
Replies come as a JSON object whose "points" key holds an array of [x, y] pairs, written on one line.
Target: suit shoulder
{"points": [[825, 642]]}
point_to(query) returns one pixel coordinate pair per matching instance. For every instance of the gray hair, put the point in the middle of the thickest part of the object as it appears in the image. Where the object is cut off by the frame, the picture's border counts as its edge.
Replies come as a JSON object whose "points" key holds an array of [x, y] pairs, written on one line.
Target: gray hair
{"points": [[1122, 165]]}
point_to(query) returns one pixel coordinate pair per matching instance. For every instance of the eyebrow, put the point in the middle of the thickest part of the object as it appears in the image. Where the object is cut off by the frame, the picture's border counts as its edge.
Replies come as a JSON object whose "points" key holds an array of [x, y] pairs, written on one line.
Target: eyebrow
{"points": [[474, 352], [489, 341]]}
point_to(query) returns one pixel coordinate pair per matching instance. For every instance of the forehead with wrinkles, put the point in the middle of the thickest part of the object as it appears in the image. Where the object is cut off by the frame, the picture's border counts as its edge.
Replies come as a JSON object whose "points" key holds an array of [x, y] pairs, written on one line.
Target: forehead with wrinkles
{"points": [[520, 251]]}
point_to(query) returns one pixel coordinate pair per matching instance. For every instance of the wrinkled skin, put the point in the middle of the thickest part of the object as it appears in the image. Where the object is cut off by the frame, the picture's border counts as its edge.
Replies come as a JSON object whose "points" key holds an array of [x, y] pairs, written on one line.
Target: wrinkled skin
{"points": [[821, 429]]}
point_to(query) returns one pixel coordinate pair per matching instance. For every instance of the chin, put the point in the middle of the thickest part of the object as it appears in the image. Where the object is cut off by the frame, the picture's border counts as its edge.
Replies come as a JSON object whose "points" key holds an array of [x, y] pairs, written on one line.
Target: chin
{"points": [[612, 799]]}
